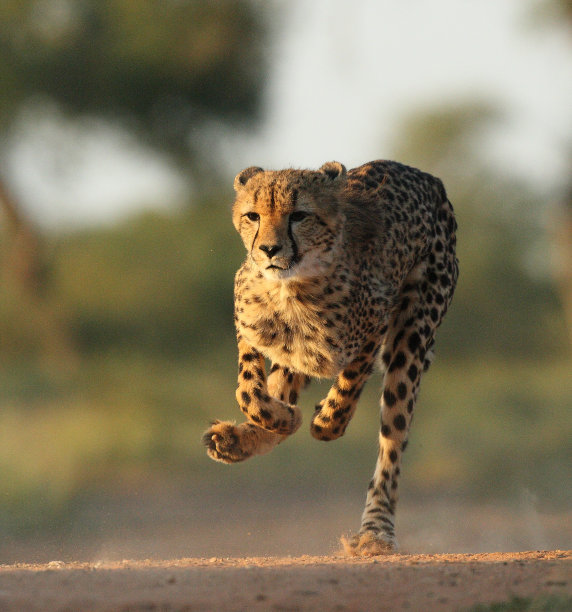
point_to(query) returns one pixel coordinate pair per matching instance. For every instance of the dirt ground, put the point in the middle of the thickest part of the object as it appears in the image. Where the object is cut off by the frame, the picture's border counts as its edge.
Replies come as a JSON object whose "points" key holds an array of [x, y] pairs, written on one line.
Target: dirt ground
{"points": [[394, 582], [277, 549]]}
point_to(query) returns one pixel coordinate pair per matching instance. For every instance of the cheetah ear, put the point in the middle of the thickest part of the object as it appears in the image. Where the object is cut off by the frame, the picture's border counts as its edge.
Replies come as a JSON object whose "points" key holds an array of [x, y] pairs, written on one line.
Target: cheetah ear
{"points": [[333, 170], [243, 177]]}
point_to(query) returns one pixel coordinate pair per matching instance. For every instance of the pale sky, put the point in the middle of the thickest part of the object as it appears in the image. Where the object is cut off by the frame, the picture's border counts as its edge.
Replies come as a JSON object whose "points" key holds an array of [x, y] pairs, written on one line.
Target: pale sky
{"points": [[344, 72]]}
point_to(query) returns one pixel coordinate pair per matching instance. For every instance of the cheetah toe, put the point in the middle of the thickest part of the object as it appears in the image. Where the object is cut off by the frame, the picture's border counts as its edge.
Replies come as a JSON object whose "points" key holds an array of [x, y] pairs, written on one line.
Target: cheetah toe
{"points": [[367, 545]]}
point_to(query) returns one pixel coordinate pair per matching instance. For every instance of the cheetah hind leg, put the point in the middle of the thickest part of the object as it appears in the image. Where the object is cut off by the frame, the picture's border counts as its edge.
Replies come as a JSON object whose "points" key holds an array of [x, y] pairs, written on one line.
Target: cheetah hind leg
{"points": [[230, 443]]}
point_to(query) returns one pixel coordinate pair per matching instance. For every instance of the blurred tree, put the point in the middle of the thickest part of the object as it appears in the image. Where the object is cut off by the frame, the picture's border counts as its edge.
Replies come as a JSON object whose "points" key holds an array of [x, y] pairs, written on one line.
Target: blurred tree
{"points": [[23, 294], [162, 69], [22, 259]]}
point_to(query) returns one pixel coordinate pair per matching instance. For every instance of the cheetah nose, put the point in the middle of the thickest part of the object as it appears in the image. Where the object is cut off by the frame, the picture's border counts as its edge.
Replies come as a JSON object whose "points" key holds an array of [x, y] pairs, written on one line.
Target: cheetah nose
{"points": [[270, 250]]}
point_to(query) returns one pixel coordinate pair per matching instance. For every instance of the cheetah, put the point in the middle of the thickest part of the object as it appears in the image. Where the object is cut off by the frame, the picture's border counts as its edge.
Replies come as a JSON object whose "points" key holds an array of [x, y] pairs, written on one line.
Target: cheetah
{"points": [[345, 270]]}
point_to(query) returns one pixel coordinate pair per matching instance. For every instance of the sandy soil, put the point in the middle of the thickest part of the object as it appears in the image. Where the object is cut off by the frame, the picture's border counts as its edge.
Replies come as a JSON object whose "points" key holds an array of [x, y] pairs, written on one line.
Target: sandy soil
{"points": [[394, 582]]}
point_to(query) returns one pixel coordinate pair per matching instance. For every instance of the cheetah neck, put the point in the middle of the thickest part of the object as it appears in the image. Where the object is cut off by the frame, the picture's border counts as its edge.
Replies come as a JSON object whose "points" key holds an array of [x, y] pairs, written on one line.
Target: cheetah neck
{"points": [[306, 293]]}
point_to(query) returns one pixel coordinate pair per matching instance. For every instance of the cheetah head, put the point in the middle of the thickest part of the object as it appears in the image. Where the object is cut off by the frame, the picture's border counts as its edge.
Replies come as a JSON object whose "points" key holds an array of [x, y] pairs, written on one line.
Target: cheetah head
{"points": [[290, 220]]}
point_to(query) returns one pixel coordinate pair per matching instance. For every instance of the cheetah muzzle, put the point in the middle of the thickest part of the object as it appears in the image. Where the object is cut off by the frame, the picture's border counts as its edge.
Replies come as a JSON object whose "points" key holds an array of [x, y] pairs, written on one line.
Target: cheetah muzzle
{"points": [[345, 271]]}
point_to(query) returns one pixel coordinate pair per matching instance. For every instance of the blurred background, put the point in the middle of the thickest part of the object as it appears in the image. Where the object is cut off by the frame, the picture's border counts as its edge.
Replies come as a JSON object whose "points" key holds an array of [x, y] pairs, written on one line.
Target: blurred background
{"points": [[122, 125]]}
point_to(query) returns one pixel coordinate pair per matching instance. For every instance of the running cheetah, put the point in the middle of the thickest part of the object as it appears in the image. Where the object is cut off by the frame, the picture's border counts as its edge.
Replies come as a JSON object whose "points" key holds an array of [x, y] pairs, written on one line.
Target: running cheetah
{"points": [[345, 270]]}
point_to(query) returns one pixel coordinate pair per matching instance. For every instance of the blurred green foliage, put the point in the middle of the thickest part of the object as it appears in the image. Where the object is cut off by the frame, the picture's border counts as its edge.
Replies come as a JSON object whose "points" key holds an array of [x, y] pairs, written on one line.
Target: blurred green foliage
{"points": [[149, 306], [155, 285]]}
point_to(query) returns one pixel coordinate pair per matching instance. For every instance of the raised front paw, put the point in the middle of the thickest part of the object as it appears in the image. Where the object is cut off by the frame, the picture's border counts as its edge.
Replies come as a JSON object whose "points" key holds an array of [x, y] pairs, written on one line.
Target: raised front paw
{"points": [[225, 443], [368, 544]]}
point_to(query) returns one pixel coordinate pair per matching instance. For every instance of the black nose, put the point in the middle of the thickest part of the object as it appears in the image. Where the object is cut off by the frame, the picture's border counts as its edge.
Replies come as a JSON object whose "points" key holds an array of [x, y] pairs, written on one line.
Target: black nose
{"points": [[270, 250]]}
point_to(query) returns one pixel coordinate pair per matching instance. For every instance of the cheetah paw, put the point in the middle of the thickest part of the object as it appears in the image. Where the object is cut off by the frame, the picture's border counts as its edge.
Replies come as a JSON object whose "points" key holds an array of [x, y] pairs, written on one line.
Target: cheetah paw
{"points": [[367, 545], [325, 427], [223, 442]]}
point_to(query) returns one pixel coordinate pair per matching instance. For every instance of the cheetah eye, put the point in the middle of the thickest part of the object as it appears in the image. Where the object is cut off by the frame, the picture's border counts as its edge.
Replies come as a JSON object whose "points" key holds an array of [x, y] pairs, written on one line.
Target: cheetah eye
{"points": [[298, 215], [252, 216]]}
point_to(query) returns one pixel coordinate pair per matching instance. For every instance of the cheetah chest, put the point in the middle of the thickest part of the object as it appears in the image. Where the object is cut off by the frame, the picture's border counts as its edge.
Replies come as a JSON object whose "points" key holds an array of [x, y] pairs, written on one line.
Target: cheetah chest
{"points": [[303, 328]]}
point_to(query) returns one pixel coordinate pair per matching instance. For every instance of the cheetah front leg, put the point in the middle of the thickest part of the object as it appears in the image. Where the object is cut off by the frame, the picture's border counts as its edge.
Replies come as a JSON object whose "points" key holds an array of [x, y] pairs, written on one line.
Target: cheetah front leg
{"points": [[334, 413], [230, 443], [255, 399]]}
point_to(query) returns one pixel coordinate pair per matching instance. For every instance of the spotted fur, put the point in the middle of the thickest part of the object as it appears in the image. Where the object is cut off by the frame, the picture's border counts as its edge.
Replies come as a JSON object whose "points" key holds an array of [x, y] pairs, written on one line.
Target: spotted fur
{"points": [[345, 271]]}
